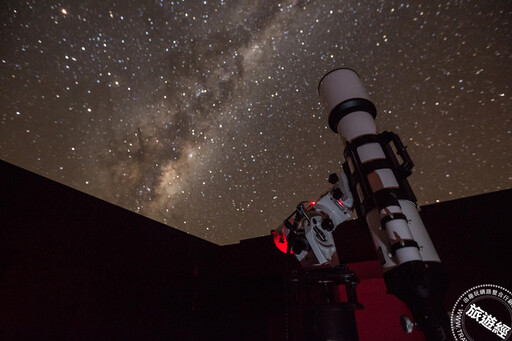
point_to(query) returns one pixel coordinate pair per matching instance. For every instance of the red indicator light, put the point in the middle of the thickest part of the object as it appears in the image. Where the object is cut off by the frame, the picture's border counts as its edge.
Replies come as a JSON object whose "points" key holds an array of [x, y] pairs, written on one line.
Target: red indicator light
{"points": [[312, 203], [341, 203]]}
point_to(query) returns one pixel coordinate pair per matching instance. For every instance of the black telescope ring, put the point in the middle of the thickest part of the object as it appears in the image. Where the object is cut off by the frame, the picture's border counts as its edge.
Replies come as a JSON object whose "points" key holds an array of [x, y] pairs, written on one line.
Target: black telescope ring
{"points": [[387, 197], [403, 243], [393, 216], [373, 165], [347, 107], [363, 139]]}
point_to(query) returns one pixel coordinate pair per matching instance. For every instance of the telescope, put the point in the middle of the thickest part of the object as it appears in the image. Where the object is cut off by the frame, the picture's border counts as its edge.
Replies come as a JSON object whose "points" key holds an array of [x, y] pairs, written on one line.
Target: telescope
{"points": [[373, 182]]}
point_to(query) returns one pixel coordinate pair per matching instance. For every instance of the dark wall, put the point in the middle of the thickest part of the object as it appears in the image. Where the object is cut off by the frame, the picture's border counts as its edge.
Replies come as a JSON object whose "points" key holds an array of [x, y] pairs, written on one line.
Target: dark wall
{"points": [[473, 237], [75, 267]]}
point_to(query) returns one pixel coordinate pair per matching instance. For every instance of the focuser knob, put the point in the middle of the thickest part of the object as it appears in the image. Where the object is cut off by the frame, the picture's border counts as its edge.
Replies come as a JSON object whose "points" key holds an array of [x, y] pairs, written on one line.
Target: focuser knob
{"points": [[337, 194], [333, 178], [327, 225]]}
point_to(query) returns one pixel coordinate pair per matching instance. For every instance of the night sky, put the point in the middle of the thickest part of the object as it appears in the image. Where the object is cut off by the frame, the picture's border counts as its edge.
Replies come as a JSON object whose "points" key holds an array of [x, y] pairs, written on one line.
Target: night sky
{"points": [[205, 114]]}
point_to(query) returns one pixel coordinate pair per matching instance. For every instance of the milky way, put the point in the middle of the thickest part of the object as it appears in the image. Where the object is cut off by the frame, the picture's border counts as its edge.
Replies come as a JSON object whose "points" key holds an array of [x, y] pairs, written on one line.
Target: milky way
{"points": [[205, 115]]}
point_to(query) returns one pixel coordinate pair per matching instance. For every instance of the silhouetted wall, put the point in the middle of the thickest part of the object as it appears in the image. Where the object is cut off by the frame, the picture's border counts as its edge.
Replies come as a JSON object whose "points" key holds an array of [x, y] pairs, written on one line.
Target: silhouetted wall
{"points": [[75, 267]]}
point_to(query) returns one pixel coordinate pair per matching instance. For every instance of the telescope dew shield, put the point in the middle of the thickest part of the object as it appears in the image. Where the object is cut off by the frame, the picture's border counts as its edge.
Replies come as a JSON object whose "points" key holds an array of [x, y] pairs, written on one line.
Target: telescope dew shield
{"points": [[343, 95]]}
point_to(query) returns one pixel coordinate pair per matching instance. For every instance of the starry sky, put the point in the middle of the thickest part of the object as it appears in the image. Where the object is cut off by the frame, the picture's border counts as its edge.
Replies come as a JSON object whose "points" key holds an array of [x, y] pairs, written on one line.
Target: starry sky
{"points": [[205, 114]]}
